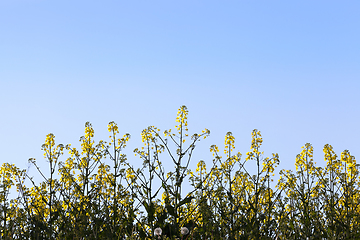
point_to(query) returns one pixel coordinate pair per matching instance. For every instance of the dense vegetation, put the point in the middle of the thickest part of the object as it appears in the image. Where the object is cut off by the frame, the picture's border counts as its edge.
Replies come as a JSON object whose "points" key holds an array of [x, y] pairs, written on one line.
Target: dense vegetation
{"points": [[96, 193]]}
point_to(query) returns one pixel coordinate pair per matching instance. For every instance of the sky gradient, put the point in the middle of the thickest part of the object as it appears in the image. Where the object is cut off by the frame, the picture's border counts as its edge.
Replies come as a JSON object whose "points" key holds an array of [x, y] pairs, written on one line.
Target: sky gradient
{"points": [[287, 68]]}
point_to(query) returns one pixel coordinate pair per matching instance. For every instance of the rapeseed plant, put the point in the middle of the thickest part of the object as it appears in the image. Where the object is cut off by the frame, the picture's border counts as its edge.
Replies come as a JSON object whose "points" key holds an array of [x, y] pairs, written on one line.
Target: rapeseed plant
{"points": [[98, 193]]}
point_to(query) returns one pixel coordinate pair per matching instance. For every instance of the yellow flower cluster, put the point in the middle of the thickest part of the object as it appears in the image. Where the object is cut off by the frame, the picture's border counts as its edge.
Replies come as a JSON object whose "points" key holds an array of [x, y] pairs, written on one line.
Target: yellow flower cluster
{"points": [[87, 144], [182, 118], [147, 135], [229, 143], [50, 151], [214, 149], [304, 161], [333, 164], [256, 139], [8, 173], [201, 166], [256, 142], [350, 163], [113, 128], [269, 164]]}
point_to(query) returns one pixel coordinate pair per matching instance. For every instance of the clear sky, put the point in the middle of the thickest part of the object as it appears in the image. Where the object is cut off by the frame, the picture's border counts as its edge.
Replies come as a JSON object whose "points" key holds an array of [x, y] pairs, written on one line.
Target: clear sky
{"points": [[288, 68]]}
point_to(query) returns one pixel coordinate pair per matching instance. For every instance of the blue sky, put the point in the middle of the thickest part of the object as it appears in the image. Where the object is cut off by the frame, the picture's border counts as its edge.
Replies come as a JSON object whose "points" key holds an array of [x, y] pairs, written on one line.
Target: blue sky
{"points": [[287, 68]]}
